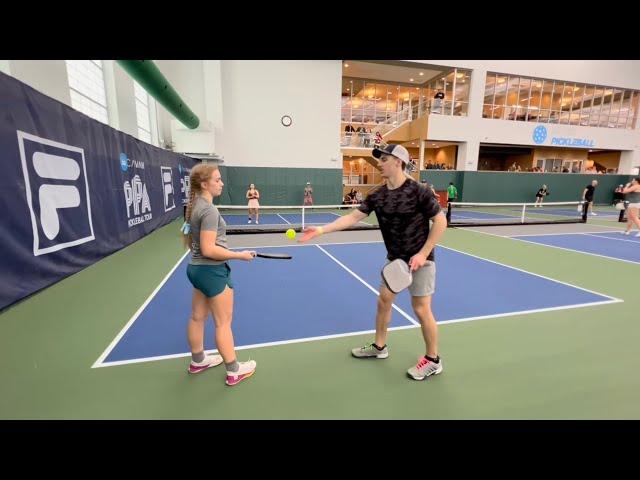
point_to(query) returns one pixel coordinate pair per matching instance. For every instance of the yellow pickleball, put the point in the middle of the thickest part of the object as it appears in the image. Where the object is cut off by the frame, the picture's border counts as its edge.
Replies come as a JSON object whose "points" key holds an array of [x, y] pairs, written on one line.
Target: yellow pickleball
{"points": [[291, 233]]}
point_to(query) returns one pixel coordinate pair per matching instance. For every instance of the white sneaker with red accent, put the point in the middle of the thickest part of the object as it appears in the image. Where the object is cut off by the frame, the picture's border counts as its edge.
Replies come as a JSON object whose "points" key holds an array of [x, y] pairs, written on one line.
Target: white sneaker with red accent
{"points": [[245, 371], [208, 362]]}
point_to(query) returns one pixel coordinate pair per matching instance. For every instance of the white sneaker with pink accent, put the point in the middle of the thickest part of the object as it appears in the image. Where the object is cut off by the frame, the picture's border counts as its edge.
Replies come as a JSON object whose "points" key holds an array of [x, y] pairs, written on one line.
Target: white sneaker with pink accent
{"points": [[425, 368], [245, 371]]}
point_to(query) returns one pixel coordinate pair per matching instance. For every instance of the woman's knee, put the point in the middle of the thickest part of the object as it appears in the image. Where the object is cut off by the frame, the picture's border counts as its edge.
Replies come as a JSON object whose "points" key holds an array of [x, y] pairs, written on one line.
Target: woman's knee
{"points": [[222, 307], [199, 316]]}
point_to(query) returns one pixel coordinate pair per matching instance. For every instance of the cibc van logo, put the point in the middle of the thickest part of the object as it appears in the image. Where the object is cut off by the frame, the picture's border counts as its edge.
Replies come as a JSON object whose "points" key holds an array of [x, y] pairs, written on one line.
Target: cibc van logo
{"points": [[126, 163], [57, 191]]}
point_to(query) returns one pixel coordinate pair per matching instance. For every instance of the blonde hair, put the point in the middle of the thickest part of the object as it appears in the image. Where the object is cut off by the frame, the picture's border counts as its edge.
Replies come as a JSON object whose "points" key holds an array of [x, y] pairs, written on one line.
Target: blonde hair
{"points": [[199, 174]]}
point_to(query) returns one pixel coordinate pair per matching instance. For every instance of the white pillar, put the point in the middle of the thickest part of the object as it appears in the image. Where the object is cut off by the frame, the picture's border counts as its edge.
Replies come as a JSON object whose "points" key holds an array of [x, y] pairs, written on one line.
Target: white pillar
{"points": [[468, 156], [476, 93], [629, 162], [4, 67]]}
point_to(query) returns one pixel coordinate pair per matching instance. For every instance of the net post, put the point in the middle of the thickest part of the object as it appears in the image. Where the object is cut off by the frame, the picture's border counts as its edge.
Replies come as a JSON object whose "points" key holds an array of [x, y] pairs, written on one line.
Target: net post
{"points": [[524, 207], [448, 214], [621, 216], [303, 207]]}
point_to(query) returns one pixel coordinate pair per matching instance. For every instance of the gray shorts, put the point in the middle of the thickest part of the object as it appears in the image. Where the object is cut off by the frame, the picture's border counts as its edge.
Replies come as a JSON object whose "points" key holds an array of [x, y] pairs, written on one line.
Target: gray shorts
{"points": [[424, 280]]}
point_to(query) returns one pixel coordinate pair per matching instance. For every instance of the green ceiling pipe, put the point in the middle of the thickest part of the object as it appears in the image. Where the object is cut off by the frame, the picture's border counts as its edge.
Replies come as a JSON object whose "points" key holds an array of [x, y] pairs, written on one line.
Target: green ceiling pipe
{"points": [[147, 74]]}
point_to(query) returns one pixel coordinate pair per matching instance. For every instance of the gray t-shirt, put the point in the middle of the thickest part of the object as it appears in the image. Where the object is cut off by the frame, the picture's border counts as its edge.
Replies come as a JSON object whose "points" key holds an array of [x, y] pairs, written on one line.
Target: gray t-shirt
{"points": [[632, 197], [205, 217]]}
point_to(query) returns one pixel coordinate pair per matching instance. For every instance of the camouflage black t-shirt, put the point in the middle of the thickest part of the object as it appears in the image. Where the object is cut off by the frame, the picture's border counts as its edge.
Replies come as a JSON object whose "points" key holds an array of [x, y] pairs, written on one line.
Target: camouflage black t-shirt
{"points": [[403, 215]]}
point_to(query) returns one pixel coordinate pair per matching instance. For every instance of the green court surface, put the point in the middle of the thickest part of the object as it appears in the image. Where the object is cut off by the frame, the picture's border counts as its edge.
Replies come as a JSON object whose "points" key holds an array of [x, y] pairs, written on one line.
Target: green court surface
{"points": [[576, 363]]}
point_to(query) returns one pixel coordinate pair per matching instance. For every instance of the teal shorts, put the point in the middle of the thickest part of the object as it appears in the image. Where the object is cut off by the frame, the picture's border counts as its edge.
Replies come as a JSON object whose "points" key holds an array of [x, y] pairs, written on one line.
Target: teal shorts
{"points": [[210, 279]]}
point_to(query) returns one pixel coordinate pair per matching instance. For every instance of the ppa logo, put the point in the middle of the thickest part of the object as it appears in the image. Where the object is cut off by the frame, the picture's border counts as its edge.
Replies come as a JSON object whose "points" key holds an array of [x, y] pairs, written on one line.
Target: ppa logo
{"points": [[57, 190], [137, 199]]}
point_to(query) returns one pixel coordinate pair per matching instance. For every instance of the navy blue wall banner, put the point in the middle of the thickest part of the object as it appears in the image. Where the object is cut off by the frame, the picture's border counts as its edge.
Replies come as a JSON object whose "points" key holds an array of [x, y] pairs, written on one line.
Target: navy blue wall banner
{"points": [[74, 190]]}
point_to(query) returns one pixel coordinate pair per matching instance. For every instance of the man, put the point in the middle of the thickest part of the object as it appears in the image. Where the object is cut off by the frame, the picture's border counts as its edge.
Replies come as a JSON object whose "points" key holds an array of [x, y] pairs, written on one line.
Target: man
{"points": [[587, 195], [404, 208], [452, 192]]}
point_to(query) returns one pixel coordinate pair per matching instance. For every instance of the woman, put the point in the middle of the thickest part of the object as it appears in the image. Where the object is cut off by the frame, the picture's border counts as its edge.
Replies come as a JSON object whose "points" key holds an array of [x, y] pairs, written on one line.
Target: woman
{"points": [[253, 195], [632, 195], [208, 271]]}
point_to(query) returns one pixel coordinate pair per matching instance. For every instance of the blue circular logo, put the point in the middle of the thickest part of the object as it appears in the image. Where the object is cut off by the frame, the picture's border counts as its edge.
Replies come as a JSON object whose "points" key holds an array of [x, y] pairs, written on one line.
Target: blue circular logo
{"points": [[180, 167], [124, 162], [540, 134]]}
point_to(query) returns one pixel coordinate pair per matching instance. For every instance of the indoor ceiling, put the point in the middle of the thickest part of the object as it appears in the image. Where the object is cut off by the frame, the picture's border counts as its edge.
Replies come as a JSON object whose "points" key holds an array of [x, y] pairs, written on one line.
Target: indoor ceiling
{"points": [[392, 71], [429, 144]]}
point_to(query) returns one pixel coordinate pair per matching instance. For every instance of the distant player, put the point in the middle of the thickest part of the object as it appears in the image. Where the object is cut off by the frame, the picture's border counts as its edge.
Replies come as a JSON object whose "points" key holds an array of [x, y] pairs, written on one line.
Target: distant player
{"points": [[540, 196], [253, 195], [308, 191]]}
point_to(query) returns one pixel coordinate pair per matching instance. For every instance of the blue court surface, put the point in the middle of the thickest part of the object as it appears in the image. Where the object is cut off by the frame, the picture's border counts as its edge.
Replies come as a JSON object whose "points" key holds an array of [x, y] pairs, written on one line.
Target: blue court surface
{"points": [[470, 215], [566, 212], [607, 244], [330, 290], [310, 218], [462, 214]]}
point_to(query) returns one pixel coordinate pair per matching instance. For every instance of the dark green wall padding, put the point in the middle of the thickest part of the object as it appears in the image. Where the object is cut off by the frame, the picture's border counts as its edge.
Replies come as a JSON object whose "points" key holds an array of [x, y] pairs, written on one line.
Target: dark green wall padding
{"points": [[147, 74], [285, 186], [281, 186], [522, 187]]}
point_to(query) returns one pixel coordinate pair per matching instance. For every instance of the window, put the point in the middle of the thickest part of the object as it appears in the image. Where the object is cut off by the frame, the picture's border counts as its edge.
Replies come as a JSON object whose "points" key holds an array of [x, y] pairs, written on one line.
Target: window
{"points": [[86, 85], [142, 113], [509, 97]]}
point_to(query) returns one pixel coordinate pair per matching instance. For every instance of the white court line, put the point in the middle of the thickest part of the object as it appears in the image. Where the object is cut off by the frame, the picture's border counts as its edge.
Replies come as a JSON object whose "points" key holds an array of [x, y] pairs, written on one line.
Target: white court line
{"points": [[612, 238], [553, 246], [289, 223], [304, 245], [554, 234], [393, 305], [104, 355], [100, 364], [335, 214], [246, 347]]}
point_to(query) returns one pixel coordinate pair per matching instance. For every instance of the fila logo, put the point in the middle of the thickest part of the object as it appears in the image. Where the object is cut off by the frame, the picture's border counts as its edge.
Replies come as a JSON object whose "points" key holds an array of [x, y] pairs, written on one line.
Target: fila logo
{"points": [[167, 188], [57, 192]]}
